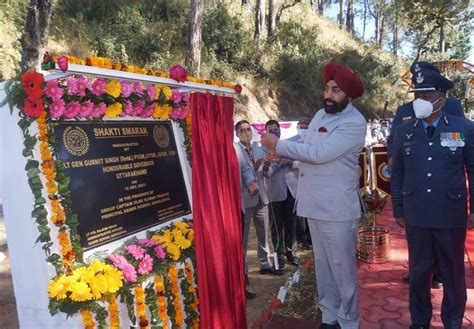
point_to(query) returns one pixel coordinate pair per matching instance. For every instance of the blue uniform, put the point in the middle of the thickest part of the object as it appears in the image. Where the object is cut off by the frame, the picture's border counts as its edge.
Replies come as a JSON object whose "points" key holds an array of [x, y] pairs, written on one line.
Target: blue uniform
{"points": [[406, 113], [429, 191]]}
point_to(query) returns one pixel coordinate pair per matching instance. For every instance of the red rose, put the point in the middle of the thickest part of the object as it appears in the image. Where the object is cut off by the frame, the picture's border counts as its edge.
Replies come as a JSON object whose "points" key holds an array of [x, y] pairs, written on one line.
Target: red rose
{"points": [[238, 89], [178, 73], [33, 107], [32, 84]]}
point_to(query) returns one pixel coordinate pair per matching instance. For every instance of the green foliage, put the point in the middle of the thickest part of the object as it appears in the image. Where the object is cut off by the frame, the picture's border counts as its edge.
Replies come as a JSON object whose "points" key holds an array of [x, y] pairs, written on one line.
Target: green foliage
{"points": [[222, 33]]}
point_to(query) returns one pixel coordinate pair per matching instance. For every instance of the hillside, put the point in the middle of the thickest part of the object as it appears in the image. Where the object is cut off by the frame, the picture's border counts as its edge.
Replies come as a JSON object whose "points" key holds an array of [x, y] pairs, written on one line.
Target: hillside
{"points": [[281, 80]]}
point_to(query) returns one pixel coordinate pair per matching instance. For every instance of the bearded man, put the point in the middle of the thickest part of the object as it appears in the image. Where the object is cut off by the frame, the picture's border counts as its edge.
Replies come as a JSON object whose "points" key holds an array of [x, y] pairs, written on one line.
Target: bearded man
{"points": [[328, 192]]}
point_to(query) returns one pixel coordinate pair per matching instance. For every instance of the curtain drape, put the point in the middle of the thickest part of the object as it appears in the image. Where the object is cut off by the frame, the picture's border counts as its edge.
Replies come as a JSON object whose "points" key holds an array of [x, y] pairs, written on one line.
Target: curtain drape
{"points": [[216, 214]]}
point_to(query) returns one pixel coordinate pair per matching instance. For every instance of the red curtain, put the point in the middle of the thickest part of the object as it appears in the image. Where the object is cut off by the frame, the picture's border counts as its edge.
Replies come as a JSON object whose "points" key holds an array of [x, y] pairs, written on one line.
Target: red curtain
{"points": [[216, 214]]}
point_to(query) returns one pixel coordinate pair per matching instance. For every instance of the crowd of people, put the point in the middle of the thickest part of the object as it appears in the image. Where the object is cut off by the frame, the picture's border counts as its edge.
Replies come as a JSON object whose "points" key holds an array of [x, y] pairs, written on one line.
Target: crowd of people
{"points": [[306, 188]]}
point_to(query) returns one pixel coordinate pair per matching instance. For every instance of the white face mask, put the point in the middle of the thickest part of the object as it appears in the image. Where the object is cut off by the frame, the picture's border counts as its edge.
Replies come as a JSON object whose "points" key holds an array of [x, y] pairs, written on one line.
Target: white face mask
{"points": [[423, 109], [302, 132]]}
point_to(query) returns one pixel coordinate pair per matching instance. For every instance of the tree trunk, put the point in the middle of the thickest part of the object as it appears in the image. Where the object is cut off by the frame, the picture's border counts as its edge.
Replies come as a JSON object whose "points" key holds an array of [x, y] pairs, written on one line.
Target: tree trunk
{"points": [[321, 7], [245, 2], [259, 22], [350, 17], [382, 30], [341, 14], [194, 38], [442, 40], [35, 35], [271, 21], [365, 20]]}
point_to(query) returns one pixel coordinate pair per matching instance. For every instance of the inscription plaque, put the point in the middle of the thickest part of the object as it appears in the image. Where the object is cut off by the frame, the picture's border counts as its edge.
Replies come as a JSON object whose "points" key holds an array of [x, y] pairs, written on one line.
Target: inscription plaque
{"points": [[125, 177]]}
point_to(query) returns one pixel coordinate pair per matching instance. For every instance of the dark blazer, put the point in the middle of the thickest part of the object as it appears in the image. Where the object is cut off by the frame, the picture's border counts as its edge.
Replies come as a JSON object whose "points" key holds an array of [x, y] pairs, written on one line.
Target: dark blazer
{"points": [[428, 180], [405, 113]]}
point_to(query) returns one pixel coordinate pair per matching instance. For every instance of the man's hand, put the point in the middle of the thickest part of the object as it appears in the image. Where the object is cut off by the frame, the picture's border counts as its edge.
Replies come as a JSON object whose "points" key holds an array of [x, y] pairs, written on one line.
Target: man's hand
{"points": [[400, 221], [269, 141], [253, 188], [470, 221]]}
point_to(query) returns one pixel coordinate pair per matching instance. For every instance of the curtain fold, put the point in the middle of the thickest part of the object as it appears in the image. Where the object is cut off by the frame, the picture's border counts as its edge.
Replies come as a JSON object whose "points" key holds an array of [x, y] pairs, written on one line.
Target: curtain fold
{"points": [[216, 214]]}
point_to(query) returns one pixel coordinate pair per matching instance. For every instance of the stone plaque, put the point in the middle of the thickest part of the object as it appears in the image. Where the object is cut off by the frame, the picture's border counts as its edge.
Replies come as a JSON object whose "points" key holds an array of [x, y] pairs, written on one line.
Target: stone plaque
{"points": [[125, 177]]}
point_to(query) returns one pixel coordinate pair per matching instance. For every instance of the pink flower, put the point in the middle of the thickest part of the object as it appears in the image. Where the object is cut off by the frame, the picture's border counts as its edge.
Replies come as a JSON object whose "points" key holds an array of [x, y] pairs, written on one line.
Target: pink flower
{"points": [[57, 108], [177, 97], [98, 87], [136, 251], [63, 63], [128, 108], [137, 88], [179, 113], [129, 273], [238, 89], [118, 260], [151, 91], [147, 112], [126, 88], [53, 90], [99, 110], [72, 110], [82, 85], [87, 108], [147, 242], [139, 108], [146, 265], [160, 252], [178, 73], [71, 86]]}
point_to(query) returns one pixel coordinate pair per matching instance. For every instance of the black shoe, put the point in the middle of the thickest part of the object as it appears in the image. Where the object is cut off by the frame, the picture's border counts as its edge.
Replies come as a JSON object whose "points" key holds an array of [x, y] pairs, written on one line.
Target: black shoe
{"points": [[272, 271], [250, 295], [329, 326], [406, 279], [293, 260], [436, 284], [417, 326], [306, 246]]}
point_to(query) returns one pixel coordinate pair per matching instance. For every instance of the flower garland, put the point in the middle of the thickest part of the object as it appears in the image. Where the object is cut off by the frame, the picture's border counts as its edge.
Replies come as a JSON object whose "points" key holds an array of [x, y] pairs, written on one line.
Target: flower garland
{"points": [[141, 307], [177, 72], [175, 301], [87, 319], [114, 315], [191, 301], [161, 301]]}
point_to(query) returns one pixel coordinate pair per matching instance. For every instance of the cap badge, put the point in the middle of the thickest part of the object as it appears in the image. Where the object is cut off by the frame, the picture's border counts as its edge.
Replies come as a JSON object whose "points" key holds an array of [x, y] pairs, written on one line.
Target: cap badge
{"points": [[419, 78], [417, 68]]}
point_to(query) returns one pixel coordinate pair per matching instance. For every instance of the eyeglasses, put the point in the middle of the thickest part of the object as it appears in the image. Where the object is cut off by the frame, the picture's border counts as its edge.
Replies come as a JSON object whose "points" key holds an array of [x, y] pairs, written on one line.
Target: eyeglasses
{"points": [[245, 130]]}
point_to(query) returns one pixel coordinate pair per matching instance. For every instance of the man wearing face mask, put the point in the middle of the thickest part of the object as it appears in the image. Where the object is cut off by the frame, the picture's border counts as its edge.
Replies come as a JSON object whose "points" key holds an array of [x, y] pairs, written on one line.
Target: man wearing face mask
{"points": [[328, 192], [282, 203], [406, 113], [431, 155]]}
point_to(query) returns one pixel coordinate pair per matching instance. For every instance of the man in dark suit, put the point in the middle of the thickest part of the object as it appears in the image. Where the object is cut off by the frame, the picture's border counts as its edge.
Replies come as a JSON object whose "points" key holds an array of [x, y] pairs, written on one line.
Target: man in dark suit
{"points": [[404, 114], [431, 154]]}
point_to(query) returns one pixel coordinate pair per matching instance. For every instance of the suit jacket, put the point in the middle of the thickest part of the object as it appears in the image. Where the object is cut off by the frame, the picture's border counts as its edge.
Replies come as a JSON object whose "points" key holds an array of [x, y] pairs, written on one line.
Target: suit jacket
{"points": [[291, 174], [428, 178], [406, 113], [248, 174], [328, 183]]}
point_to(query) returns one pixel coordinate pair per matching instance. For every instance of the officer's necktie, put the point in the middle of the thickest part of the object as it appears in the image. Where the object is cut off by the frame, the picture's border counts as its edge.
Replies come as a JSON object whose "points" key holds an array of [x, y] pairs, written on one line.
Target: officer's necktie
{"points": [[430, 131], [250, 154]]}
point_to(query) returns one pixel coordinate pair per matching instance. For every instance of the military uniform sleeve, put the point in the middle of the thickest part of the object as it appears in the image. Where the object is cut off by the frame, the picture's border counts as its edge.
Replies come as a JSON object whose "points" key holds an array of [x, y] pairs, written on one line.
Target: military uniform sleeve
{"points": [[343, 139], [455, 107], [397, 175], [469, 163]]}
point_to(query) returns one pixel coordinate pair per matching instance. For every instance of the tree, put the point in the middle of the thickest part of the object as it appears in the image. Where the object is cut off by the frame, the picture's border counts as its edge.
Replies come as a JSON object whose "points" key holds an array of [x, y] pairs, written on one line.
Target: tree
{"points": [[350, 17], [341, 14], [194, 40], [271, 20], [259, 22], [35, 35]]}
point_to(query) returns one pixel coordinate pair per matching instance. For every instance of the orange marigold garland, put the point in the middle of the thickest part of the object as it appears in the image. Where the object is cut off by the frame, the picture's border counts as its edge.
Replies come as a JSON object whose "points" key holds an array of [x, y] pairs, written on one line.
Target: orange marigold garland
{"points": [[141, 307], [161, 301], [191, 302], [114, 315], [177, 320], [58, 214], [87, 319]]}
